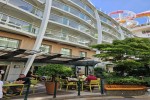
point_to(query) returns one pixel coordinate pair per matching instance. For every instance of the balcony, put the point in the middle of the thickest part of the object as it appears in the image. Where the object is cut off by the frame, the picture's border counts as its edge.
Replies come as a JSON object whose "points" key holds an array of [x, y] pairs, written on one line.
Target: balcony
{"points": [[73, 11], [27, 7], [58, 35], [83, 6], [111, 31], [17, 24], [71, 23]]}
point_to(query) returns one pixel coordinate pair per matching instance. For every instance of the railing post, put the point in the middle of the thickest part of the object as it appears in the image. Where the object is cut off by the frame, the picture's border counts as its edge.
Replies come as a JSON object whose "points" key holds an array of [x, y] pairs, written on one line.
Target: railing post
{"points": [[55, 89], [27, 92], [102, 85], [79, 84]]}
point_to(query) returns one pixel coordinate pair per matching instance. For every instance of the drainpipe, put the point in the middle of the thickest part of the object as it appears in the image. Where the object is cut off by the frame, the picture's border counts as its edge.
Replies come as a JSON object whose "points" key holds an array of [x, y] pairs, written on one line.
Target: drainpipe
{"points": [[40, 35]]}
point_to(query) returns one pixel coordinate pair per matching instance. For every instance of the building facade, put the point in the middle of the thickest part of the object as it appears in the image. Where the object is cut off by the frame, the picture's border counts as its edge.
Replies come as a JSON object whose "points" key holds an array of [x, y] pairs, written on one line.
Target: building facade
{"points": [[142, 30], [72, 26]]}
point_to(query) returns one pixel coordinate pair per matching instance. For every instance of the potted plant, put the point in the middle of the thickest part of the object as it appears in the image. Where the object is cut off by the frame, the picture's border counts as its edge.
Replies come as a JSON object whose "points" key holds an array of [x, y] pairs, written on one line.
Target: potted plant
{"points": [[53, 71]]}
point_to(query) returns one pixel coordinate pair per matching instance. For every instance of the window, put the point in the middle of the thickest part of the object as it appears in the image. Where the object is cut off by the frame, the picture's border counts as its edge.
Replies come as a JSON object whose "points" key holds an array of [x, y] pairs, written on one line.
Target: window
{"points": [[45, 48], [65, 51], [83, 54], [9, 43]]}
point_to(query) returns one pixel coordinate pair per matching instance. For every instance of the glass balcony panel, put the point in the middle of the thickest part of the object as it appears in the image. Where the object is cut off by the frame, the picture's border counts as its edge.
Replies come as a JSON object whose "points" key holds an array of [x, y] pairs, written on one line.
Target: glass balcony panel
{"points": [[57, 4], [78, 2], [26, 6], [82, 5], [39, 13], [89, 10], [72, 39], [3, 18], [74, 11], [16, 23], [73, 24], [82, 16], [65, 21], [22, 4], [66, 8], [56, 18]]}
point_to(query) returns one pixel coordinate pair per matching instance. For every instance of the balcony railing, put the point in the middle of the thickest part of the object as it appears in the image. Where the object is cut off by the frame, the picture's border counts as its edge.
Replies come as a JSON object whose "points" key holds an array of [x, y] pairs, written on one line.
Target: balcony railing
{"points": [[73, 11], [58, 35], [17, 23], [106, 29], [71, 23], [107, 38], [27, 7], [85, 7]]}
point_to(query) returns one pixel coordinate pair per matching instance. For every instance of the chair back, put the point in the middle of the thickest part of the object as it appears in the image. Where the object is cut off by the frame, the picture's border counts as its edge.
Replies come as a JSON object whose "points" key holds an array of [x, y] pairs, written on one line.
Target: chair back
{"points": [[34, 82], [94, 82]]}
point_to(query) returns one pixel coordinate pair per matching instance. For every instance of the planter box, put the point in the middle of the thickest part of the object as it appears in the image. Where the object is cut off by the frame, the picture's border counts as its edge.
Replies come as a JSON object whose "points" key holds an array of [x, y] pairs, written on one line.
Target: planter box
{"points": [[125, 90]]}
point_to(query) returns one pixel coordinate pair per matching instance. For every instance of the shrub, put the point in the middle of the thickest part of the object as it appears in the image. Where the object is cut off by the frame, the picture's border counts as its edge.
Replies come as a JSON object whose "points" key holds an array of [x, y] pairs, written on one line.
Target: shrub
{"points": [[125, 81]]}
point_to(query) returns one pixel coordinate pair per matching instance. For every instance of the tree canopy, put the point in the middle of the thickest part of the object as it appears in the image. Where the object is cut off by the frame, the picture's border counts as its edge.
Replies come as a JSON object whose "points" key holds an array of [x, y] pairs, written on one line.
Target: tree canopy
{"points": [[138, 48], [127, 54]]}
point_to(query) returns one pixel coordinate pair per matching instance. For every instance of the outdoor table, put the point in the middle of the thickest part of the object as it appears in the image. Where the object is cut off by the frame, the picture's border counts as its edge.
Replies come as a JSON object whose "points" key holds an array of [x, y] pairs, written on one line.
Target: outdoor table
{"points": [[14, 84]]}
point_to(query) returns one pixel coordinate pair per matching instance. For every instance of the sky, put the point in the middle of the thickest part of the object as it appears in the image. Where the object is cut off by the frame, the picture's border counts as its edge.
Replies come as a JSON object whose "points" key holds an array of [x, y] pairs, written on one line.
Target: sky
{"points": [[136, 6]]}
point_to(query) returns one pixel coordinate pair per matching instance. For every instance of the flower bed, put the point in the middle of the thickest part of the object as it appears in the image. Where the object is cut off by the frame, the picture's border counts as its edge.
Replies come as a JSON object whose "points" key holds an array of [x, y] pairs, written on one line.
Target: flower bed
{"points": [[125, 90]]}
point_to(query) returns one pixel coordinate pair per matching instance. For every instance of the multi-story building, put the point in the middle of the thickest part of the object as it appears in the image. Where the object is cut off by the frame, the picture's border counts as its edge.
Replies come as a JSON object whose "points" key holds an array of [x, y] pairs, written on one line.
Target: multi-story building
{"points": [[65, 27], [142, 30]]}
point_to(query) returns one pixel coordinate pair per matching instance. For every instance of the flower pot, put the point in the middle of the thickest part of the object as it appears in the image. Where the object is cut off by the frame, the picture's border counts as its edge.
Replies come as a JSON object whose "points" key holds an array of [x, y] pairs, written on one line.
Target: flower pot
{"points": [[50, 87]]}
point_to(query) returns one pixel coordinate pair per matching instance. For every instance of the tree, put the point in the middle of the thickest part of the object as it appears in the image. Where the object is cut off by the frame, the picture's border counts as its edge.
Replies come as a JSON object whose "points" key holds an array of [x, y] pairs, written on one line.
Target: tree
{"points": [[54, 70], [136, 49]]}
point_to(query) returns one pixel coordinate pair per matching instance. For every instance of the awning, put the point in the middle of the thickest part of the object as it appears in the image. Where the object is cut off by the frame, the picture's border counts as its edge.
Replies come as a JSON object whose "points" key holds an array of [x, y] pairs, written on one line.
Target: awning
{"points": [[22, 55]]}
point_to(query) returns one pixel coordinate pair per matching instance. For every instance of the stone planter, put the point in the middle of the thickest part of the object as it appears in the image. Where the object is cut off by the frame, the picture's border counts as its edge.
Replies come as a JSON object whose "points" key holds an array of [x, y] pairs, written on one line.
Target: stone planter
{"points": [[125, 90]]}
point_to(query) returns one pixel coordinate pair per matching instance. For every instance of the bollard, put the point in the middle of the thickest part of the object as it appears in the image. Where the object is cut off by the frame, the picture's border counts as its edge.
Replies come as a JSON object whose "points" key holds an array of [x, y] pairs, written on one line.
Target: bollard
{"points": [[102, 85], [55, 89], [79, 84], [27, 92]]}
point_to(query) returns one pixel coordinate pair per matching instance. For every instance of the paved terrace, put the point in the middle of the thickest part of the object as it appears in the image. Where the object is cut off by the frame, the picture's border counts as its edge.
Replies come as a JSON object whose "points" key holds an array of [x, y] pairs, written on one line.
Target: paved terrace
{"points": [[40, 94]]}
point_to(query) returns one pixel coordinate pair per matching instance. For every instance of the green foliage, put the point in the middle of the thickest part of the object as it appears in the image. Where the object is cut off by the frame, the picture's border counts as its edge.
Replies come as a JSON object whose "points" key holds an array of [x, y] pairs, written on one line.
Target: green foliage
{"points": [[54, 70], [125, 81], [98, 71], [137, 49], [147, 80], [101, 73], [127, 65]]}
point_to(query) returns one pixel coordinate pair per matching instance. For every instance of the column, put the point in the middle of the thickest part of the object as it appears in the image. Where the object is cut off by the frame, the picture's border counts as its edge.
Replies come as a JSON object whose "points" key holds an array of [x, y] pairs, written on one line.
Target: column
{"points": [[121, 32], [40, 36], [99, 27]]}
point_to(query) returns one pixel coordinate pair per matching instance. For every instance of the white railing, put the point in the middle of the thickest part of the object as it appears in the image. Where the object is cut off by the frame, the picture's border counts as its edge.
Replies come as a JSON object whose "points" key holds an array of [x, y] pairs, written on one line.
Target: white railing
{"points": [[73, 11], [107, 39], [71, 23], [17, 23], [84, 6], [27, 7], [106, 29], [58, 35]]}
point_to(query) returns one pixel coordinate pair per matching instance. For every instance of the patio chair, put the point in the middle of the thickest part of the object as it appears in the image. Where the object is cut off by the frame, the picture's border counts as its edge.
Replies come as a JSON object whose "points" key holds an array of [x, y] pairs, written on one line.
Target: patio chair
{"points": [[93, 83], [62, 82], [70, 83], [33, 84], [65, 82]]}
